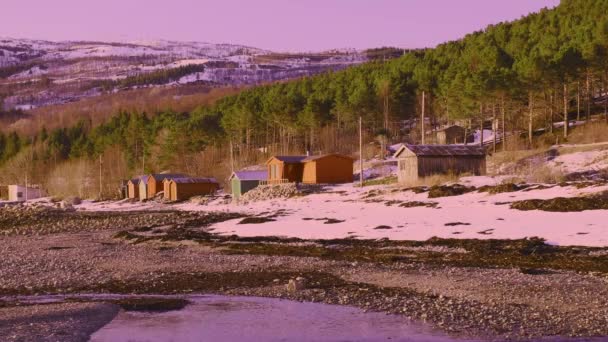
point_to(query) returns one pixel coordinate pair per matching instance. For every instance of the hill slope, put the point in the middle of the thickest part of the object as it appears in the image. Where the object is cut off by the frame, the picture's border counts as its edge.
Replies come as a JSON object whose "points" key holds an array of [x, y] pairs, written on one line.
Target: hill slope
{"points": [[37, 73]]}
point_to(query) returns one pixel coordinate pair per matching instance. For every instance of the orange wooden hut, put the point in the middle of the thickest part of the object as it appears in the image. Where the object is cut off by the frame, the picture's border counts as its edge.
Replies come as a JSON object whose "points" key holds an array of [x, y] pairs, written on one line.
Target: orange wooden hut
{"points": [[285, 169], [324, 169], [155, 182], [328, 169], [180, 189], [133, 187]]}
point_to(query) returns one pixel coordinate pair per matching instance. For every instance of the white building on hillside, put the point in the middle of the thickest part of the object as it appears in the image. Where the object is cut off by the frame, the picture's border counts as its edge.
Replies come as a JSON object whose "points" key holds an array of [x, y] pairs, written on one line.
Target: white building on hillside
{"points": [[20, 193]]}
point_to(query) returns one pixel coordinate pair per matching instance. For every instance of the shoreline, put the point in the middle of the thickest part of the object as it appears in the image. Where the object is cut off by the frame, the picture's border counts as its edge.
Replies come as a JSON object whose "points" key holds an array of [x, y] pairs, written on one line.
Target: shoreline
{"points": [[488, 289]]}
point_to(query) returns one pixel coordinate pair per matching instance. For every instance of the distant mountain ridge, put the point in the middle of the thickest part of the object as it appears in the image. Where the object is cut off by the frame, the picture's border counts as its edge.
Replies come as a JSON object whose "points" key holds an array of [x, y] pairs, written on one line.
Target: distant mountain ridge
{"points": [[36, 73]]}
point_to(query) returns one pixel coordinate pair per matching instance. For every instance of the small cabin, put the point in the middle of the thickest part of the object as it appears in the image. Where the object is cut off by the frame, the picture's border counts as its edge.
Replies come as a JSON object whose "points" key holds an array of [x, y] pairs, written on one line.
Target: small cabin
{"points": [[243, 181], [20, 193], [4, 192], [133, 188], [285, 169], [419, 161], [323, 169], [453, 135], [180, 189], [155, 182], [123, 189], [143, 188], [328, 169]]}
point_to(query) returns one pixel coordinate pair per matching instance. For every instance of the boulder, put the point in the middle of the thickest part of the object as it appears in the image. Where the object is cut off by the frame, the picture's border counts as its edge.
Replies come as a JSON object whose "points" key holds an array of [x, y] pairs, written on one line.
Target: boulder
{"points": [[73, 200], [296, 285]]}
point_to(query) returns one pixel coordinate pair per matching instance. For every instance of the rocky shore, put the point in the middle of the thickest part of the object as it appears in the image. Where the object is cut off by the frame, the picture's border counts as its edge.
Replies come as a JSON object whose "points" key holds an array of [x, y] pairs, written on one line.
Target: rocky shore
{"points": [[493, 290]]}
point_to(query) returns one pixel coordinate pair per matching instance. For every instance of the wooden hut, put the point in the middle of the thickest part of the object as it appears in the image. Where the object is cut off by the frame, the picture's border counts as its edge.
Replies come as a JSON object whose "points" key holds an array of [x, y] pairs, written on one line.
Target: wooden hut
{"points": [[285, 169], [133, 187], [453, 135], [155, 182], [328, 169], [123, 189], [243, 181], [418, 161], [4, 192], [167, 189], [143, 188], [184, 188]]}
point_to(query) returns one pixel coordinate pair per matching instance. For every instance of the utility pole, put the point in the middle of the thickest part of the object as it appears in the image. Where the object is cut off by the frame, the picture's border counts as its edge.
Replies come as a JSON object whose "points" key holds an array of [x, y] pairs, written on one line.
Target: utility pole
{"points": [[504, 131], [231, 157], [100, 177], [361, 151], [530, 108], [578, 101], [422, 121], [565, 110]]}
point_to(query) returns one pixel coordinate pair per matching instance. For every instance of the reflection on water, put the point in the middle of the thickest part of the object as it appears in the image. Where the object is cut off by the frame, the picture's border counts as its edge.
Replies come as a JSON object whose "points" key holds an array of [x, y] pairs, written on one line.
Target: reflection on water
{"points": [[219, 318]]}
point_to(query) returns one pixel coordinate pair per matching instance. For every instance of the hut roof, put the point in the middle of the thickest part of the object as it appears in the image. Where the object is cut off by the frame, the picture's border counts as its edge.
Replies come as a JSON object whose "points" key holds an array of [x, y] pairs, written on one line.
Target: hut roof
{"points": [[452, 127], [250, 175], [313, 158], [289, 159], [163, 176], [191, 180], [443, 150], [136, 179]]}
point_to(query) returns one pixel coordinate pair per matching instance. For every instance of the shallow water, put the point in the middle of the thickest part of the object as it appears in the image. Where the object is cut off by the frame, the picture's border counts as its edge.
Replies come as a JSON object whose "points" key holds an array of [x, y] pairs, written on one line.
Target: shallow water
{"points": [[220, 318], [225, 318]]}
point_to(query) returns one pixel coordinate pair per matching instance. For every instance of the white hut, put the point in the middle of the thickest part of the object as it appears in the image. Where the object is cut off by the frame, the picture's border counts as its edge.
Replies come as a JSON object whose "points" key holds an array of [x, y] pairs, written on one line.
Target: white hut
{"points": [[20, 193]]}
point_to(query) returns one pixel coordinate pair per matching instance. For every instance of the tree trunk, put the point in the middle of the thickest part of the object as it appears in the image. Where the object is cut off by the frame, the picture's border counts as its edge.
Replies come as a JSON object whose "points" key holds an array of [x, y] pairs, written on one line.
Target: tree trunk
{"points": [[551, 112], [605, 97], [494, 128], [530, 106], [566, 124], [481, 124], [588, 98], [504, 135], [578, 101], [422, 119], [386, 124]]}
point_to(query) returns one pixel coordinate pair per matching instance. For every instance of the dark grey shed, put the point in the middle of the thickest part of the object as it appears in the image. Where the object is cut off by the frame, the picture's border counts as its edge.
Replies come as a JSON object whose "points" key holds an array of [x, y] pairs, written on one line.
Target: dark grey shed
{"points": [[419, 161], [454, 135], [243, 181]]}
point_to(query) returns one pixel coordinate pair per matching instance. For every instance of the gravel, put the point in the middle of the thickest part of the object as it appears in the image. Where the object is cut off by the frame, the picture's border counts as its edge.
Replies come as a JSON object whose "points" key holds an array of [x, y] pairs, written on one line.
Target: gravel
{"points": [[76, 252], [63, 322]]}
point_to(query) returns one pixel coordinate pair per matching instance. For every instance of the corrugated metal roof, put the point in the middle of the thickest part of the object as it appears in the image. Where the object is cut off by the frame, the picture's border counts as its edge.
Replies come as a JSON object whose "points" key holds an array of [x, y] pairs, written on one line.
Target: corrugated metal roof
{"points": [[312, 158], [194, 180], [251, 175], [291, 159], [445, 150], [163, 176], [452, 128]]}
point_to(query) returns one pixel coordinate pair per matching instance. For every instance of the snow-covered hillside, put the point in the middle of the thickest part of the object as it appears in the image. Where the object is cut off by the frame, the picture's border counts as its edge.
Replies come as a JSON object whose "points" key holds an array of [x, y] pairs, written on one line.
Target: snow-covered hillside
{"points": [[36, 73]]}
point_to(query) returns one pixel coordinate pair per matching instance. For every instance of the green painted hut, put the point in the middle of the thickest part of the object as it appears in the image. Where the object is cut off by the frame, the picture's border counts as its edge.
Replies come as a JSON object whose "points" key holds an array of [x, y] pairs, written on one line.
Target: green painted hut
{"points": [[243, 181]]}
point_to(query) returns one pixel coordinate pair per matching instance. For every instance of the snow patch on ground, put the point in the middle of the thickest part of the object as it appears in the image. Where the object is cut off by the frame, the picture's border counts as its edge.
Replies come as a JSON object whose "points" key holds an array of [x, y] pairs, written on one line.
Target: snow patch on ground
{"points": [[581, 161], [345, 211]]}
